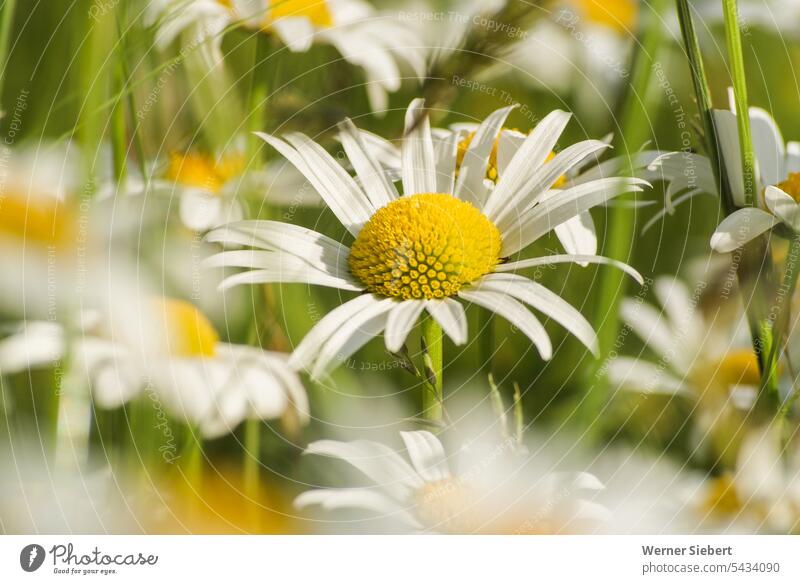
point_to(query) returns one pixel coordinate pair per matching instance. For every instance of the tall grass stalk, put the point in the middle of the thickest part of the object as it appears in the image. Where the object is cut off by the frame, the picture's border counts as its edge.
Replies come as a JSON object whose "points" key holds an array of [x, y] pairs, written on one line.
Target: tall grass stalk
{"points": [[6, 21], [755, 270], [634, 126]]}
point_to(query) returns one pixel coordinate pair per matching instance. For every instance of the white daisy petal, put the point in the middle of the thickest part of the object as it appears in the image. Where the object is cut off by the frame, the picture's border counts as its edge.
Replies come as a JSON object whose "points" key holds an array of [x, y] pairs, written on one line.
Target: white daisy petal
{"points": [[451, 317], [305, 353], [401, 320], [36, 344], [554, 210], [368, 499], [470, 185], [200, 210], [570, 258], [643, 377], [296, 33], [276, 267], [740, 227], [650, 326], [728, 133], [545, 301], [515, 313], [378, 462], [446, 151], [530, 156], [378, 187], [507, 214], [336, 187], [792, 157], [427, 455], [674, 296], [419, 162], [507, 146], [352, 335], [578, 235], [783, 206], [768, 146]]}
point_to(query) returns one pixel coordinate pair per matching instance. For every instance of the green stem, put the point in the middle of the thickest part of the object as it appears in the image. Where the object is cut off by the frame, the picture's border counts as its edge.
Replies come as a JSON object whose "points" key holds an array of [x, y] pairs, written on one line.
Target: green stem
{"points": [[432, 398], [788, 286], [621, 219], [486, 341], [733, 39], [259, 90], [6, 21], [193, 459], [252, 457]]}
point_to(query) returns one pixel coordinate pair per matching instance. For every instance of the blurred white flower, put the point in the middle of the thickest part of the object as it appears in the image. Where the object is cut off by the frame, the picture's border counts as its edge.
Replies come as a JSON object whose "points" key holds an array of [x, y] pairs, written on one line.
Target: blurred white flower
{"points": [[705, 358], [172, 347], [491, 492], [30, 345], [761, 495], [366, 38], [446, 237]]}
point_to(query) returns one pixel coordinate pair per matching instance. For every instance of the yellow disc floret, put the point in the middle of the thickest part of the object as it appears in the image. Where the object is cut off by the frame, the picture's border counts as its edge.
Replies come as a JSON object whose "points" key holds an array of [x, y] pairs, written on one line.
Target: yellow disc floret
{"points": [[40, 220], [316, 11], [203, 171], [618, 15], [184, 330], [424, 246], [791, 186]]}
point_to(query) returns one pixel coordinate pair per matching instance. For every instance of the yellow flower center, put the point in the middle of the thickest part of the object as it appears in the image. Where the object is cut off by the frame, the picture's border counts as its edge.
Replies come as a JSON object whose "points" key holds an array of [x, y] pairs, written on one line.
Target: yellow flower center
{"points": [[492, 172], [424, 246], [184, 330], [203, 171], [791, 186], [316, 11], [42, 220], [722, 497], [739, 367], [447, 505], [619, 15]]}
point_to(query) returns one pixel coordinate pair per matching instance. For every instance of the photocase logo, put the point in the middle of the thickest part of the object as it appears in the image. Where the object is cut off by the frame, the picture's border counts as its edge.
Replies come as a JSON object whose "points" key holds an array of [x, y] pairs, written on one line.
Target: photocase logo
{"points": [[31, 557]]}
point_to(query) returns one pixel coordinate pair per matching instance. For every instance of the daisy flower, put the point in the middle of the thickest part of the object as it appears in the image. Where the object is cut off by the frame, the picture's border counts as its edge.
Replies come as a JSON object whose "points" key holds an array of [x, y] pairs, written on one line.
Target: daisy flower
{"points": [[424, 494], [375, 42], [762, 494], [706, 358], [777, 180], [38, 230], [173, 347], [207, 187], [31, 344], [447, 238]]}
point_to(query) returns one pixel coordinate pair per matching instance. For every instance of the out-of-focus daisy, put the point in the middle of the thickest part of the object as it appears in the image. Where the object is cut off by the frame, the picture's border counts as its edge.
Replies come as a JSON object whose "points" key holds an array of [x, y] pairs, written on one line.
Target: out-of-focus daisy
{"points": [[448, 236], [777, 182], [706, 358], [762, 494], [207, 188], [424, 494], [174, 348], [31, 344], [583, 46], [366, 38], [38, 230]]}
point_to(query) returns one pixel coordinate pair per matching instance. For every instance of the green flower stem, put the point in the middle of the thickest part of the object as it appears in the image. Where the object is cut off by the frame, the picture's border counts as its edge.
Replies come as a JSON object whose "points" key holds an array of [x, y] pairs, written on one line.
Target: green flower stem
{"points": [[259, 91], [755, 268], [6, 21], [621, 219], [733, 39], [252, 457], [192, 457], [781, 327], [486, 341], [432, 398]]}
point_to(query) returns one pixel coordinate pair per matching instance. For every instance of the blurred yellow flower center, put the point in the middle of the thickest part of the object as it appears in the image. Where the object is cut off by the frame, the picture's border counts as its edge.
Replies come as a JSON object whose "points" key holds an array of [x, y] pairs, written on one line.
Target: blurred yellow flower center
{"points": [[447, 505], [43, 220], [185, 331], [424, 246], [791, 186], [203, 171], [619, 15], [722, 497], [316, 11], [492, 172], [739, 367]]}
